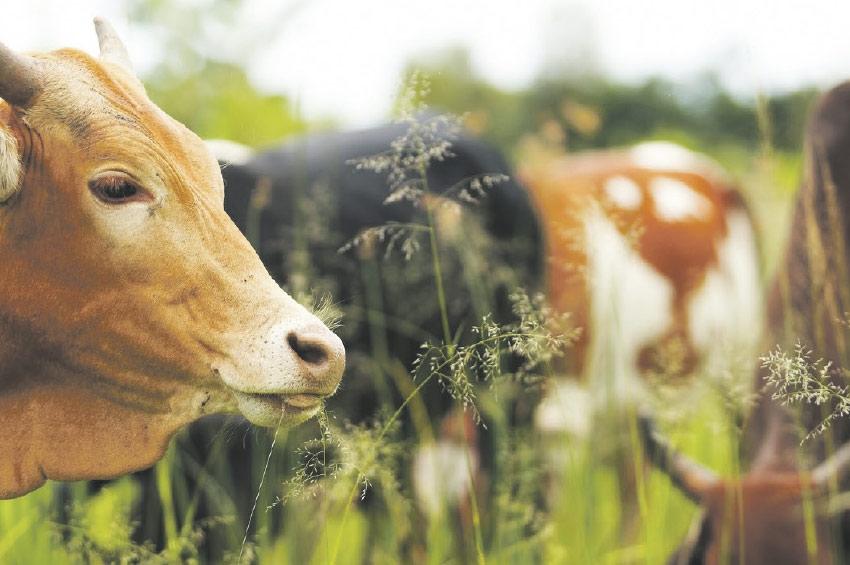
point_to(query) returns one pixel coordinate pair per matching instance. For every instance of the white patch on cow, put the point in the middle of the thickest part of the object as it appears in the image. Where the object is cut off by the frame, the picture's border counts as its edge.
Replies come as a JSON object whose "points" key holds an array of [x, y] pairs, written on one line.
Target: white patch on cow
{"points": [[441, 477], [666, 156], [10, 166], [630, 306], [226, 151], [623, 192], [726, 311], [675, 201]]}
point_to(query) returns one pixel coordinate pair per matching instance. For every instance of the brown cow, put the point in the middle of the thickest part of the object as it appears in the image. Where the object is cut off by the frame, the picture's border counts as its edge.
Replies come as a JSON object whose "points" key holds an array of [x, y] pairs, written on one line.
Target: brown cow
{"points": [[809, 301], [652, 251], [130, 304]]}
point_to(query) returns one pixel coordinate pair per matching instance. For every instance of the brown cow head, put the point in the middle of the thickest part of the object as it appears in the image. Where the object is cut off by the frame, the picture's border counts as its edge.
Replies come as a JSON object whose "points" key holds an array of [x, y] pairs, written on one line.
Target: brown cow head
{"points": [[767, 516], [130, 304]]}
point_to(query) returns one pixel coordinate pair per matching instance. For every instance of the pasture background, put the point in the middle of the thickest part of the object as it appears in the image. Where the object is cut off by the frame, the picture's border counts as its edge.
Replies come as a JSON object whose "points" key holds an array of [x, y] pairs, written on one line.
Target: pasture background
{"points": [[609, 508]]}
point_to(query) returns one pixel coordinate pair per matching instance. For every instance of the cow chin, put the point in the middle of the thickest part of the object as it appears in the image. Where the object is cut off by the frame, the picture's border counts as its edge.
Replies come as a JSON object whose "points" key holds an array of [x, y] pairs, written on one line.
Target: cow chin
{"points": [[272, 410]]}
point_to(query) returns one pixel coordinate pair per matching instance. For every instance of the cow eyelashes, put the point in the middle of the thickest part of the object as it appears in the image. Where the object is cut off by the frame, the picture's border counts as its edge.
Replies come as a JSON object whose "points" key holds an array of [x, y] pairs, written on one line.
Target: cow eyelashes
{"points": [[116, 189]]}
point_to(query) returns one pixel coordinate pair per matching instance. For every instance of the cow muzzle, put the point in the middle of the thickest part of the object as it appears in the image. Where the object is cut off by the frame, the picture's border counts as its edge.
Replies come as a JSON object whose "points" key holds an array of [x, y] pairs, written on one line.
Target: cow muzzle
{"points": [[285, 375]]}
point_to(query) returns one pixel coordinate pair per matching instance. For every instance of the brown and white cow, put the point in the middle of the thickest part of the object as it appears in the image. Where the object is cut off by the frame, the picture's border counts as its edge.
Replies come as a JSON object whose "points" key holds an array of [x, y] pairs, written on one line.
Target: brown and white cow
{"points": [[652, 251], [791, 506], [130, 304]]}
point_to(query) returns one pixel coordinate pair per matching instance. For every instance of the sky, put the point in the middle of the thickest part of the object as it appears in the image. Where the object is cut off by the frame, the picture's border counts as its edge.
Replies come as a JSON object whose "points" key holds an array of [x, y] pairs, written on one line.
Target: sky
{"points": [[343, 58]]}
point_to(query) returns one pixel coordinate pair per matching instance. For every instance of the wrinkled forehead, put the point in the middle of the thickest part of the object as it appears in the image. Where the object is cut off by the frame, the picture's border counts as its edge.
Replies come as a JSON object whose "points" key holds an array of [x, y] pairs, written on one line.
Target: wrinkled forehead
{"points": [[104, 108]]}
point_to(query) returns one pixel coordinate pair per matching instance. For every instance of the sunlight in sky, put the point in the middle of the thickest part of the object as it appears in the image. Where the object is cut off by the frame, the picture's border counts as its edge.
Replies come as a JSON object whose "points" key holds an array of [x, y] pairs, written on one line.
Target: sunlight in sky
{"points": [[342, 58]]}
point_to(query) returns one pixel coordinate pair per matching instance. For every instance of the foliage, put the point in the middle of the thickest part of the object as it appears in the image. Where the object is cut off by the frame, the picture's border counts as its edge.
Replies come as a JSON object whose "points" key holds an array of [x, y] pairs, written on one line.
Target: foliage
{"points": [[211, 95], [217, 101], [797, 378], [535, 338], [592, 111]]}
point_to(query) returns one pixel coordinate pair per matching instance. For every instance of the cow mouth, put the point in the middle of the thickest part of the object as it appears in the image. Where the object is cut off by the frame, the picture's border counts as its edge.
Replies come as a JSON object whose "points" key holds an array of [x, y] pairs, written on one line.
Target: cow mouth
{"points": [[270, 409]]}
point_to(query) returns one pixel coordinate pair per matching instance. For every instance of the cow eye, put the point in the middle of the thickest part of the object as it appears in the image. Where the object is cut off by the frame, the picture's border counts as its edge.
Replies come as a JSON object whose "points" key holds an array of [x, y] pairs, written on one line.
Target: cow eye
{"points": [[115, 189]]}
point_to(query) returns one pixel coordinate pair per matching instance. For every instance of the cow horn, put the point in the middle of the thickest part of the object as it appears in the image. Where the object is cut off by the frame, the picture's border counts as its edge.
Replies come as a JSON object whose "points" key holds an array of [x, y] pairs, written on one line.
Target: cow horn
{"points": [[688, 475], [111, 47], [19, 77], [833, 468]]}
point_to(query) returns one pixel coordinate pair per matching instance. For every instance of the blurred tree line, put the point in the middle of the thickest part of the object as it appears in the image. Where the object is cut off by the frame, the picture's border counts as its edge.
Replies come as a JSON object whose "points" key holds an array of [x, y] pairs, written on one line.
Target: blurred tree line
{"points": [[589, 110]]}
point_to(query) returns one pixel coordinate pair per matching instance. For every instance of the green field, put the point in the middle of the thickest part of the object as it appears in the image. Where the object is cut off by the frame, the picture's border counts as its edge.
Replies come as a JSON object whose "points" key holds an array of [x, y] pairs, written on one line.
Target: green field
{"points": [[338, 493], [334, 492]]}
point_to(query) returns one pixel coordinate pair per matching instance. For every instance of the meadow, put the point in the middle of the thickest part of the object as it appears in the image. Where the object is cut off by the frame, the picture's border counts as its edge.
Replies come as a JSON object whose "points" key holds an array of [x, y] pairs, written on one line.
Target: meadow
{"points": [[339, 489]]}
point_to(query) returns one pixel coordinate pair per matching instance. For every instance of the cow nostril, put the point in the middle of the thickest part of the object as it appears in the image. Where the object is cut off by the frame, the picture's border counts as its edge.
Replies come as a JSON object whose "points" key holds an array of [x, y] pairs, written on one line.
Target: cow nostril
{"points": [[311, 352]]}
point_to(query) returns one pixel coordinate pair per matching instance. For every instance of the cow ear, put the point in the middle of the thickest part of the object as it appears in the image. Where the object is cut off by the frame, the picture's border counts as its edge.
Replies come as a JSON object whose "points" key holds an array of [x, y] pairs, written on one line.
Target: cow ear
{"points": [[10, 158], [20, 83], [689, 476]]}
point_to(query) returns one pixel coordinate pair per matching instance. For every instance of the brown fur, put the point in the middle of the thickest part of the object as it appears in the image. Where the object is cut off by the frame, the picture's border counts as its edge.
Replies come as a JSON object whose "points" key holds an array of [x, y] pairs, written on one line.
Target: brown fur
{"points": [[761, 519]]}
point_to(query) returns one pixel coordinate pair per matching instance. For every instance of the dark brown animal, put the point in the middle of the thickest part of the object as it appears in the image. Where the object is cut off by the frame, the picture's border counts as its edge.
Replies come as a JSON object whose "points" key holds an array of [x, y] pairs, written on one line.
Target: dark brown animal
{"points": [[785, 510], [130, 304], [769, 516]]}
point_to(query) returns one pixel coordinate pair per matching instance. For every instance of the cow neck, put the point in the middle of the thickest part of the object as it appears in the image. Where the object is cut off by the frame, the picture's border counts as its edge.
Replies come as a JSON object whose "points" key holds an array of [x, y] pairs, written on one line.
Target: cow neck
{"points": [[65, 425]]}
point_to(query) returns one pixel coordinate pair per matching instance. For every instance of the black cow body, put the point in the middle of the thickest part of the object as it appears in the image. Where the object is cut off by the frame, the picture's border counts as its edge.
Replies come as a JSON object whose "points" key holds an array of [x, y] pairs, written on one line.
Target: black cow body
{"points": [[300, 203], [298, 167]]}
